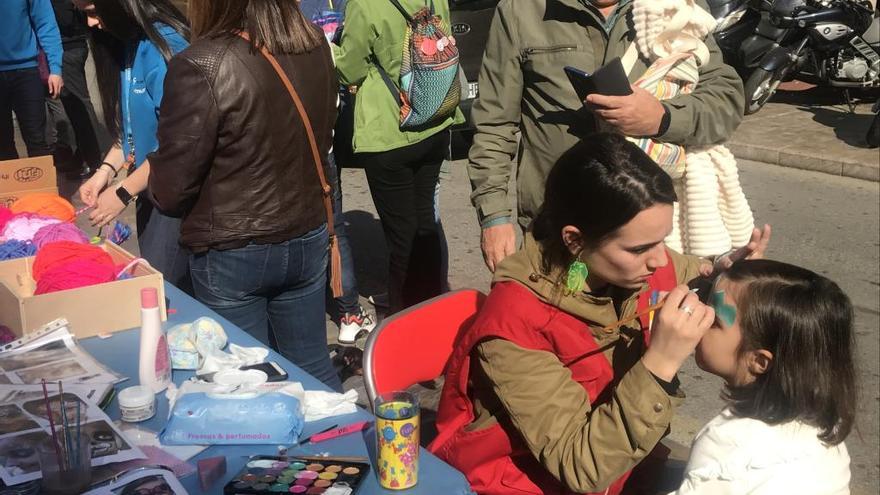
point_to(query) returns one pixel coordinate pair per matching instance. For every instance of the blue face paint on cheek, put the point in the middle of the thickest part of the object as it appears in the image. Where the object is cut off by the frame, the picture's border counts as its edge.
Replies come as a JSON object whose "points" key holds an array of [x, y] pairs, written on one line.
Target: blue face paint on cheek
{"points": [[724, 311]]}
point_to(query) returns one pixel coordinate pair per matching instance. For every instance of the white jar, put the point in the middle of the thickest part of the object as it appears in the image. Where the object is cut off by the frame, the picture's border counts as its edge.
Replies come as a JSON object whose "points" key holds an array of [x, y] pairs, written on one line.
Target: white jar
{"points": [[137, 403]]}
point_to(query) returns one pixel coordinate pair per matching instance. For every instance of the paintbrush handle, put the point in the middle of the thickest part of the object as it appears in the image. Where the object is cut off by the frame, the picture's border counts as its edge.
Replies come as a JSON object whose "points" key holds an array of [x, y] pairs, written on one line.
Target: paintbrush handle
{"points": [[647, 311], [628, 319]]}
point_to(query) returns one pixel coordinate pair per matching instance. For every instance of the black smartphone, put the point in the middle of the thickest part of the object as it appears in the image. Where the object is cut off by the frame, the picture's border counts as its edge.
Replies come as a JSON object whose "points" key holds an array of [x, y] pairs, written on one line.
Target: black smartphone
{"points": [[270, 368], [610, 80]]}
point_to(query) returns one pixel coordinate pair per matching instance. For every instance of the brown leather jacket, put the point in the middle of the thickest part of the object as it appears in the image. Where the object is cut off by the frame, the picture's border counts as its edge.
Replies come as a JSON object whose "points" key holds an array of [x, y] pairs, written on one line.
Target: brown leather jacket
{"points": [[233, 157]]}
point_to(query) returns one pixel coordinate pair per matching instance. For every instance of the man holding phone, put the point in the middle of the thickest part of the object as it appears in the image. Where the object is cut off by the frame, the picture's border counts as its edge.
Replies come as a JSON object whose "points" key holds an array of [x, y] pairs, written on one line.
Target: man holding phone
{"points": [[524, 88]]}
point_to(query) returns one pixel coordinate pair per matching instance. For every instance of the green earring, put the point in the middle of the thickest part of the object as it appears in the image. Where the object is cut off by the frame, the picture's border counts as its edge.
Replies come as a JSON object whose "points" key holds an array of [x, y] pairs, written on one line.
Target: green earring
{"points": [[577, 276]]}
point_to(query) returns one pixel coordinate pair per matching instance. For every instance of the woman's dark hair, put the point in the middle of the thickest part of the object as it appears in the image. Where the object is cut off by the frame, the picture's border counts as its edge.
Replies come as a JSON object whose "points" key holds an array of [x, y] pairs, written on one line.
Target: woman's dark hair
{"points": [[126, 22], [806, 321], [278, 25], [598, 186]]}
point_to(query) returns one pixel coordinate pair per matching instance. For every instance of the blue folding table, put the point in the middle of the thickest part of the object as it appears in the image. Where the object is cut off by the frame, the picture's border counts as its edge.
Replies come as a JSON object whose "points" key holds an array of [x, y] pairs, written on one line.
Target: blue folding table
{"points": [[120, 353]]}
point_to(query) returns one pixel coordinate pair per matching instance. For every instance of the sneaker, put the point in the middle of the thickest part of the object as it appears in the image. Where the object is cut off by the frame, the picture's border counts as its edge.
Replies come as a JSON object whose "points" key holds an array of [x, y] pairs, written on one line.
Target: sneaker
{"points": [[353, 326]]}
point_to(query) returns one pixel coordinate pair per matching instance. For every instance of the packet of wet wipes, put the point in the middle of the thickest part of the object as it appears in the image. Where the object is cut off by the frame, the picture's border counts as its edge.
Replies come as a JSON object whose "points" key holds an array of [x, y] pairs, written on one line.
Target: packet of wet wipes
{"points": [[234, 414]]}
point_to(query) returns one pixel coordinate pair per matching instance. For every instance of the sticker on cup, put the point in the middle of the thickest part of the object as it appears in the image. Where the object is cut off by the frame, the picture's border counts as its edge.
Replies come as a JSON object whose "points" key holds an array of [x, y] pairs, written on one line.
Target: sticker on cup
{"points": [[397, 438]]}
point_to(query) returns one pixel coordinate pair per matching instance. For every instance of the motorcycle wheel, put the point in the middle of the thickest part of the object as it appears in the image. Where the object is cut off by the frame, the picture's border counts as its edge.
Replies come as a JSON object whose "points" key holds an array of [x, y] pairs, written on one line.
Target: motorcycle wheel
{"points": [[873, 136], [760, 86]]}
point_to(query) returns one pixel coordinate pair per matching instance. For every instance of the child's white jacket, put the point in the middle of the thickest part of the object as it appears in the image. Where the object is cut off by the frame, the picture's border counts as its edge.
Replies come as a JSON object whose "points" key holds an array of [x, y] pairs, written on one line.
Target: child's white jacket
{"points": [[740, 456]]}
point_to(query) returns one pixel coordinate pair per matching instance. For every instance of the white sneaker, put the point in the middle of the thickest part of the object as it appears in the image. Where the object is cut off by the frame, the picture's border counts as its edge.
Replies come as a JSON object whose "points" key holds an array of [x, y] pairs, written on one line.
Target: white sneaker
{"points": [[353, 326]]}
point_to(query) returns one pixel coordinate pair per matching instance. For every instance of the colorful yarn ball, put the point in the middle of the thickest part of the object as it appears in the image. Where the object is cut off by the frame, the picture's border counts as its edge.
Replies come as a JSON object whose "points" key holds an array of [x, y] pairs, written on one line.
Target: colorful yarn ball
{"points": [[59, 232], [121, 233], [23, 226], [73, 275], [5, 215], [62, 253], [46, 204], [14, 249]]}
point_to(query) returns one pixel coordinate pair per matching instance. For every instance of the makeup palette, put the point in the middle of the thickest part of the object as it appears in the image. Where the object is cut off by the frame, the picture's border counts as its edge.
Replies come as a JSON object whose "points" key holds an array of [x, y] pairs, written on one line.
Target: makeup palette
{"points": [[266, 475]]}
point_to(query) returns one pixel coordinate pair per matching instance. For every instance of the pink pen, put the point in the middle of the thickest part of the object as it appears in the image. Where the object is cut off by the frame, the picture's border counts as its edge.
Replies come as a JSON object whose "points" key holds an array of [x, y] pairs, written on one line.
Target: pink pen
{"points": [[338, 432]]}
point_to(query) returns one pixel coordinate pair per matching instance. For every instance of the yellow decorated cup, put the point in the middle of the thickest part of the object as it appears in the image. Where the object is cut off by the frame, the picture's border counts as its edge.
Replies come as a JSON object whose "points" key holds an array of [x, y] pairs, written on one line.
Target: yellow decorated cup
{"points": [[397, 439]]}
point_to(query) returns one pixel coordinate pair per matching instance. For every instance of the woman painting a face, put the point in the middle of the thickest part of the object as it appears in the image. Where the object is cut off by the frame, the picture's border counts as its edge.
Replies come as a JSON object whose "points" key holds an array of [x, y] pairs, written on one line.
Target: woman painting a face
{"points": [[545, 392]]}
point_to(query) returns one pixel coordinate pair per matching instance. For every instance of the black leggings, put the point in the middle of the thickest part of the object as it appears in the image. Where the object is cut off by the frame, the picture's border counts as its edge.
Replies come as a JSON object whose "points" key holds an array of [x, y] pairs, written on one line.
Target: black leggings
{"points": [[402, 182]]}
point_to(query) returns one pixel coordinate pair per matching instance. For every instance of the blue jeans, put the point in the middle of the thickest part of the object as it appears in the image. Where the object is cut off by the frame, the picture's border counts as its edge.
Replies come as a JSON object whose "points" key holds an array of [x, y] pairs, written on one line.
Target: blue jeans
{"points": [[348, 303], [159, 243], [273, 287]]}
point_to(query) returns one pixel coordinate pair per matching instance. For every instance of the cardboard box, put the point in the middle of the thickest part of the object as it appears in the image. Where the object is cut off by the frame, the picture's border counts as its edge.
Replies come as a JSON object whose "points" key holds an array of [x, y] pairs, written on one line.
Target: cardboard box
{"points": [[25, 176], [93, 310]]}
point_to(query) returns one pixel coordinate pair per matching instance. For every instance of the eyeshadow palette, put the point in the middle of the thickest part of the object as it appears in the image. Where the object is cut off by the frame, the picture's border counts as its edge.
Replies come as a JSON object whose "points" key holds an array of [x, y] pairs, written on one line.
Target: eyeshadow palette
{"points": [[266, 475]]}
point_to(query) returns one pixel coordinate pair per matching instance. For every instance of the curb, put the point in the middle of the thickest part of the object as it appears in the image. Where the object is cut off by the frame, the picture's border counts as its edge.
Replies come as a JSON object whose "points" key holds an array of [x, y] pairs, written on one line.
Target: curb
{"points": [[783, 158]]}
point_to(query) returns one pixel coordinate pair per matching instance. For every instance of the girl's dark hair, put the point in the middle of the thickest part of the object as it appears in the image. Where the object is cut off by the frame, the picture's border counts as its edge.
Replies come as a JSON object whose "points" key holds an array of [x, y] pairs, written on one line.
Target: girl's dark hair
{"points": [[598, 186], [125, 23], [279, 25], [806, 321]]}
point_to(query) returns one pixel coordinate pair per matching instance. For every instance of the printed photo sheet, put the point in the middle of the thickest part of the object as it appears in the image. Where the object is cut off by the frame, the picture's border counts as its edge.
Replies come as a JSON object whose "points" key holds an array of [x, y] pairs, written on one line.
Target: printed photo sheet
{"points": [[24, 425]]}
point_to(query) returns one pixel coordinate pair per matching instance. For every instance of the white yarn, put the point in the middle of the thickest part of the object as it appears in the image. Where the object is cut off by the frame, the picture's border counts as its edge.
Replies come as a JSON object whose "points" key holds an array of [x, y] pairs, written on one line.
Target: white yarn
{"points": [[712, 214]]}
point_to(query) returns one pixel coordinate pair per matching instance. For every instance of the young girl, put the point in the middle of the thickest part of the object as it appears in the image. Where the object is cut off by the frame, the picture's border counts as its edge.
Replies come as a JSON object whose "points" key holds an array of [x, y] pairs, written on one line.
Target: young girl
{"points": [[783, 341]]}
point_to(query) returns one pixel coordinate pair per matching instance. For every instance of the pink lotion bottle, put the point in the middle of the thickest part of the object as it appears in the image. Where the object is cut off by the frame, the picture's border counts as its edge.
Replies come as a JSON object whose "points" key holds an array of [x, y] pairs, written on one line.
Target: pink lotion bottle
{"points": [[154, 367]]}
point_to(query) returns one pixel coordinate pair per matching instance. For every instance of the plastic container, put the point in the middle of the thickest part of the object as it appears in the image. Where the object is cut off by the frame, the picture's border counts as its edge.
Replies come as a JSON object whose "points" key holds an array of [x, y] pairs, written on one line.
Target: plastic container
{"points": [[154, 367], [137, 403], [74, 474]]}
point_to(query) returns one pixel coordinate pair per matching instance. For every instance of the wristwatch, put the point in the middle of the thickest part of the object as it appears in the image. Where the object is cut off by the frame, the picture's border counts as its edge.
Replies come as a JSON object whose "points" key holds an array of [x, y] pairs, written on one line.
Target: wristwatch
{"points": [[124, 195]]}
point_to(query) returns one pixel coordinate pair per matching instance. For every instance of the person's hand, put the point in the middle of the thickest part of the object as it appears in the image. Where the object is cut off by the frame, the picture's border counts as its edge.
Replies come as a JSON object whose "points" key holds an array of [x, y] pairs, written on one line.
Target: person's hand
{"points": [[754, 250], [638, 114], [89, 191], [677, 330], [108, 208], [497, 243], [55, 85]]}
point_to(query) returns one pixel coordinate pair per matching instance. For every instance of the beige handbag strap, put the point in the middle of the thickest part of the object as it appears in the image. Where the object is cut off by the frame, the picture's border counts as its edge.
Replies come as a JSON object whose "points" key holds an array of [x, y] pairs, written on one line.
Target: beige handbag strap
{"points": [[629, 58], [326, 190]]}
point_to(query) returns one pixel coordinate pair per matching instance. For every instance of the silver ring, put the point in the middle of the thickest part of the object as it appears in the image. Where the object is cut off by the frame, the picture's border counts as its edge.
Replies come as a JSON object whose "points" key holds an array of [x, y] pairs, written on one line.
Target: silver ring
{"points": [[687, 309]]}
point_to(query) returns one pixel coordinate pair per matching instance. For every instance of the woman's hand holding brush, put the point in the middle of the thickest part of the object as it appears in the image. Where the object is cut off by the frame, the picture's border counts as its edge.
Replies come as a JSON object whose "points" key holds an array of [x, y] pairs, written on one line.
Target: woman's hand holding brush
{"points": [[678, 328]]}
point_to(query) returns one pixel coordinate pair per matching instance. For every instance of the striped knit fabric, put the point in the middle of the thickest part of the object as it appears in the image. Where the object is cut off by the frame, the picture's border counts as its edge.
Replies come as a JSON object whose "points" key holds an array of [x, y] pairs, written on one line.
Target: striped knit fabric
{"points": [[666, 78]]}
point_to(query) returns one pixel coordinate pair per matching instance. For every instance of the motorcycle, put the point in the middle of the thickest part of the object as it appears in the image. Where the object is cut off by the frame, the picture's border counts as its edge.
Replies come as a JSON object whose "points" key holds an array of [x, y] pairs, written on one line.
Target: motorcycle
{"points": [[832, 42], [735, 21]]}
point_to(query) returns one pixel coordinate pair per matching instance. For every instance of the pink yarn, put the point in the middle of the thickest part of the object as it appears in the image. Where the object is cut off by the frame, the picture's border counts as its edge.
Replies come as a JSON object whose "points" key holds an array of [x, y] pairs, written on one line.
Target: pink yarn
{"points": [[23, 226], [75, 274], [5, 215], [59, 232]]}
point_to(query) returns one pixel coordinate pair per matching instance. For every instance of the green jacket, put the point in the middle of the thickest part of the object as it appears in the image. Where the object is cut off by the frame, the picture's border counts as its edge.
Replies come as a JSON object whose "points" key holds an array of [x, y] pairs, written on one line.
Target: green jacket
{"points": [[523, 88], [586, 448], [374, 30]]}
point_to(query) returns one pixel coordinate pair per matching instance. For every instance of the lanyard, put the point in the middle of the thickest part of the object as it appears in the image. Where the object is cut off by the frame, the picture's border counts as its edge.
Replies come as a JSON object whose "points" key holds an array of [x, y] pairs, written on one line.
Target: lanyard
{"points": [[126, 102]]}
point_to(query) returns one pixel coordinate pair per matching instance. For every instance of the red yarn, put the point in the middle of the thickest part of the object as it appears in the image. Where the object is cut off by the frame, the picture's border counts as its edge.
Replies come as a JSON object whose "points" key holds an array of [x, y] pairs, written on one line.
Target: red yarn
{"points": [[74, 274], [62, 253], [5, 215]]}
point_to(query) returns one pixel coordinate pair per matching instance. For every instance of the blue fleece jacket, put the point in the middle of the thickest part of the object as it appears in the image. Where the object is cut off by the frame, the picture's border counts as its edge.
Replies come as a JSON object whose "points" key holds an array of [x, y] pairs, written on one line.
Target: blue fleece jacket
{"points": [[24, 23], [143, 82]]}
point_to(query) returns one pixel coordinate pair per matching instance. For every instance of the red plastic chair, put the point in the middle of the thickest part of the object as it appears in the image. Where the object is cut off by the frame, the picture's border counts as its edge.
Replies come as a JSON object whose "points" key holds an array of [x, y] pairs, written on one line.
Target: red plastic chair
{"points": [[414, 345]]}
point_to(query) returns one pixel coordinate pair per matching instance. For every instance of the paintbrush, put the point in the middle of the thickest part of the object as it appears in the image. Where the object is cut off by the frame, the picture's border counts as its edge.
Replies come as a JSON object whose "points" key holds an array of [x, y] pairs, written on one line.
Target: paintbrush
{"points": [[647, 311], [64, 423], [52, 424]]}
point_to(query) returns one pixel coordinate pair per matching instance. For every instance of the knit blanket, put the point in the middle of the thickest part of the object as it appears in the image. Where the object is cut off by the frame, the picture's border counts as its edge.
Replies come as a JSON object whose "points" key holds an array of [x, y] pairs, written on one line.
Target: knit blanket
{"points": [[712, 215]]}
